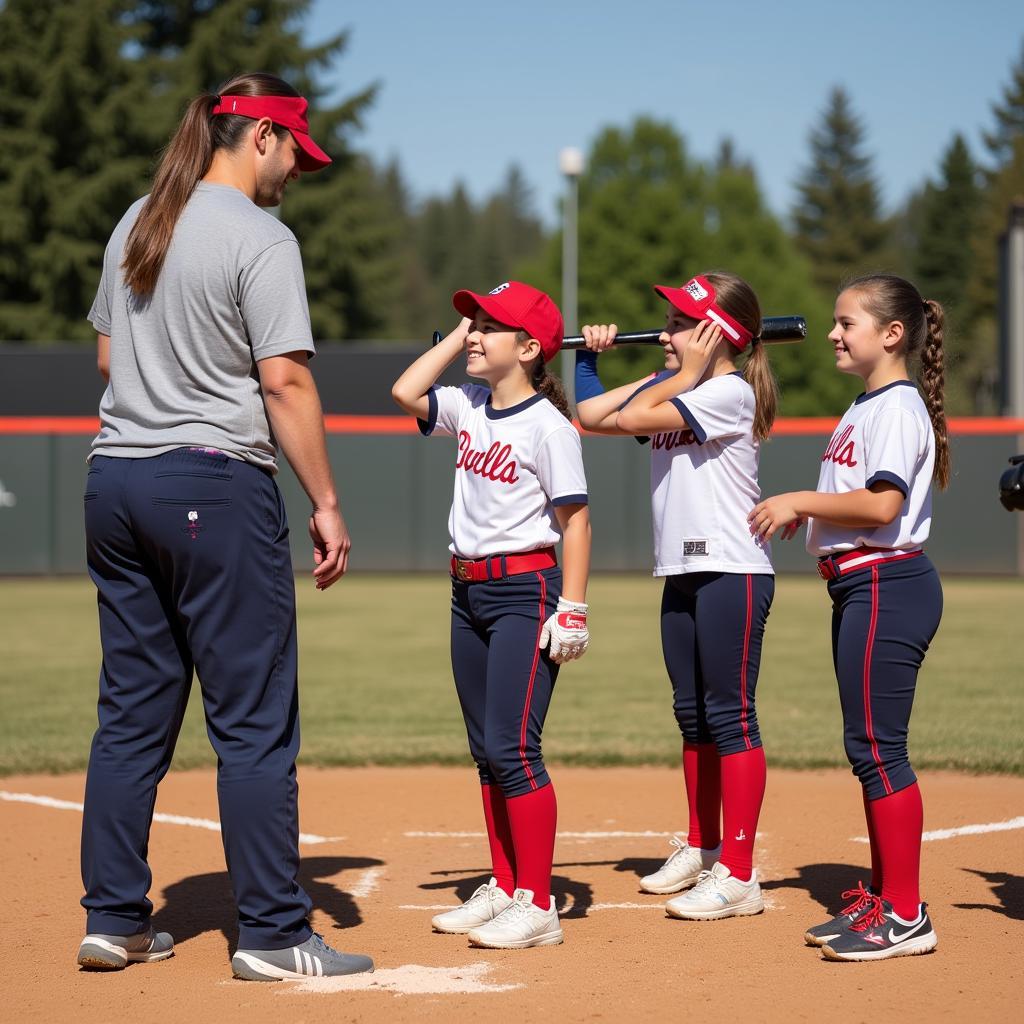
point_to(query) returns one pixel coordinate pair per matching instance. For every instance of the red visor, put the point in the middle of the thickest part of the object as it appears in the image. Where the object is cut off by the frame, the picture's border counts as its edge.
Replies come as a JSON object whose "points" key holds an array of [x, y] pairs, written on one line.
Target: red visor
{"points": [[518, 305], [288, 112], [697, 299]]}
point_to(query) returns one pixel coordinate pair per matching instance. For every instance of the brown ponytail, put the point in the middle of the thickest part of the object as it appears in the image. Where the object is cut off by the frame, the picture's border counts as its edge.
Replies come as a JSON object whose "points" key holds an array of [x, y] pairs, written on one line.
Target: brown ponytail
{"points": [[758, 374], [933, 380], [740, 301], [183, 163], [547, 384], [888, 299]]}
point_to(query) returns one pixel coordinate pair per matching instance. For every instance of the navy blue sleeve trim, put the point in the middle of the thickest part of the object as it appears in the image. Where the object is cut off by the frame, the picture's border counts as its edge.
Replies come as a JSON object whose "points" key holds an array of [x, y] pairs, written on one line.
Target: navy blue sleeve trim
{"points": [[427, 426], [698, 431], [883, 476], [656, 379], [570, 499]]}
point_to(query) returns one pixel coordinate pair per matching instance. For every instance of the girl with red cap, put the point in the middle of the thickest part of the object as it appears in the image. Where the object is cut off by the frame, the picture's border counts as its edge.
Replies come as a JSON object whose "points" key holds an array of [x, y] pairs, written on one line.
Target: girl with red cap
{"points": [[706, 419], [519, 490]]}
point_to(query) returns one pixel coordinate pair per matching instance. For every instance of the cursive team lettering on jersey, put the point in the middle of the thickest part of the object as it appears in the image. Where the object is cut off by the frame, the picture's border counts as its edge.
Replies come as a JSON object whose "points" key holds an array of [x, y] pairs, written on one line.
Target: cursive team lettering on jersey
{"points": [[840, 448], [673, 439], [494, 464]]}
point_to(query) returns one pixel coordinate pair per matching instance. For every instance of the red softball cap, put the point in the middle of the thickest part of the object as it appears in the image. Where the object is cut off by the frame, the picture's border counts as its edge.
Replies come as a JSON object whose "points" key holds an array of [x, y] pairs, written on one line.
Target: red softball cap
{"points": [[697, 299], [518, 305], [288, 112]]}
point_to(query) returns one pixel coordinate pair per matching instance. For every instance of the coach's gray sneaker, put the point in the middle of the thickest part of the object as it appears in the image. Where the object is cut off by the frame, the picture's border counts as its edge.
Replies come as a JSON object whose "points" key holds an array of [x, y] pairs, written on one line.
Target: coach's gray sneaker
{"points": [[682, 869], [310, 959], [112, 952]]}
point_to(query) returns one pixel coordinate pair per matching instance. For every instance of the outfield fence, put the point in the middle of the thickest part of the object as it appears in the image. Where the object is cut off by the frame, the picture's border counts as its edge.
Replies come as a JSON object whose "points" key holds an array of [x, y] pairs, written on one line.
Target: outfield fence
{"points": [[396, 488]]}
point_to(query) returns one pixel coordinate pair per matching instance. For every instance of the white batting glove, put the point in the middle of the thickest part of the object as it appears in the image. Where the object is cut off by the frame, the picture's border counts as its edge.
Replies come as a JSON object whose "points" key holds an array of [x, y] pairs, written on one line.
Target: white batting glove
{"points": [[565, 633]]}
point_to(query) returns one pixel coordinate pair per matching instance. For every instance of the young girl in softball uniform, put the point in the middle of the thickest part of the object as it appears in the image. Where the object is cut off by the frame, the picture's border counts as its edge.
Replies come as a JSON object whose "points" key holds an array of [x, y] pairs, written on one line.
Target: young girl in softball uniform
{"points": [[706, 419], [519, 489], [868, 521]]}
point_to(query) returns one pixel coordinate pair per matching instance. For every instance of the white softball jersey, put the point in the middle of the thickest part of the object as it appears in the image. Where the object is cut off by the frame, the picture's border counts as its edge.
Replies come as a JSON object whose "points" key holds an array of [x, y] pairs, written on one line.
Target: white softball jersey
{"points": [[512, 467], [885, 435], [704, 482]]}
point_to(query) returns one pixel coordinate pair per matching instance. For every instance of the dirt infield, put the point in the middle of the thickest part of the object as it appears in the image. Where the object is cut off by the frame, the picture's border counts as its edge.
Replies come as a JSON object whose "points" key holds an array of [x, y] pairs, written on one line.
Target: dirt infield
{"points": [[390, 844]]}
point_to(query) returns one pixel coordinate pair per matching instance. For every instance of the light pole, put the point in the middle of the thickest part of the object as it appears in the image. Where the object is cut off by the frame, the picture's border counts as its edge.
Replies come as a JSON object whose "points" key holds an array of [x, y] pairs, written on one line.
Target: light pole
{"points": [[570, 163]]}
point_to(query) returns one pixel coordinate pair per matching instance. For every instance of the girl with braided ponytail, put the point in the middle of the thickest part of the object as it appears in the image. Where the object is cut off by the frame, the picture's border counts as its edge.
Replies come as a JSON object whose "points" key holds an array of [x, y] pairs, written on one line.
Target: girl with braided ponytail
{"points": [[867, 524]]}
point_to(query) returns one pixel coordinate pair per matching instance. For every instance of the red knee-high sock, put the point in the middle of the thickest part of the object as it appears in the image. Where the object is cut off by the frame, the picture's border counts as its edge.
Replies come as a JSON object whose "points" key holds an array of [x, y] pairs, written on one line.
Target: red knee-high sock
{"points": [[899, 820], [876, 860], [703, 779], [499, 837], [743, 781], [533, 817]]}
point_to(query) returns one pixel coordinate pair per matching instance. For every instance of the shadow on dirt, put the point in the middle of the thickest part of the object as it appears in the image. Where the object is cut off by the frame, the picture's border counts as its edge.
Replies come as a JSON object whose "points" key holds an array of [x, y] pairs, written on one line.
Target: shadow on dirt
{"points": [[572, 898], [824, 883], [205, 903], [1007, 888]]}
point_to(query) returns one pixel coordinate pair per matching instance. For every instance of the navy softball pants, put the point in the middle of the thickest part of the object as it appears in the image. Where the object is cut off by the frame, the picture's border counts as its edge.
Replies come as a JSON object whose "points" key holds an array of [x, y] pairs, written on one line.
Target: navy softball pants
{"points": [[712, 626], [883, 619], [504, 681], [189, 554]]}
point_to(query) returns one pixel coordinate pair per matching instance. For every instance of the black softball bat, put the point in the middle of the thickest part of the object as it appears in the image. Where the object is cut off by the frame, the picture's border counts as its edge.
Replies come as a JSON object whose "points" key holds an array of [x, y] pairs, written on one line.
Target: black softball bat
{"points": [[774, 330]]}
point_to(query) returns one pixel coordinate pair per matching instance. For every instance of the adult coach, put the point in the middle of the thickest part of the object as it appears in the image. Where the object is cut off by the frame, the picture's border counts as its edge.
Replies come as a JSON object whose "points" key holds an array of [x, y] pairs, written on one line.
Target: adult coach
{"points": [[204, 336]]}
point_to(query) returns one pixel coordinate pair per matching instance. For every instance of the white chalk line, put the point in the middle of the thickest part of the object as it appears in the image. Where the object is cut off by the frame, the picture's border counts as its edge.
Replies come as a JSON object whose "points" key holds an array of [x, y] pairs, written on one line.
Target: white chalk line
{"points": [[963, 830], [560, 835], [209, 824], [367, 883], [407, 980]]}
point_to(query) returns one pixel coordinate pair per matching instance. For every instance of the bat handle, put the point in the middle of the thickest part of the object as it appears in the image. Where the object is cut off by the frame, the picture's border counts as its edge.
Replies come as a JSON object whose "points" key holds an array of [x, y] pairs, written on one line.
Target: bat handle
{"points": [[435, 338]]}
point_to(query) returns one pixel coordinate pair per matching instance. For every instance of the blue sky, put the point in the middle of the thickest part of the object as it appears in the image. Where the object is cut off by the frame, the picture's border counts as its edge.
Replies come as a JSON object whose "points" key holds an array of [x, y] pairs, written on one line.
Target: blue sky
{"points": [[466, 88]]}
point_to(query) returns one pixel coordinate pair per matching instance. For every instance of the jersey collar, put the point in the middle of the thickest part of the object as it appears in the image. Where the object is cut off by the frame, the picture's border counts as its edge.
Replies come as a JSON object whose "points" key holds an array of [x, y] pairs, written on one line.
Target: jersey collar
{"points": [[499, 414], [865, 396]]}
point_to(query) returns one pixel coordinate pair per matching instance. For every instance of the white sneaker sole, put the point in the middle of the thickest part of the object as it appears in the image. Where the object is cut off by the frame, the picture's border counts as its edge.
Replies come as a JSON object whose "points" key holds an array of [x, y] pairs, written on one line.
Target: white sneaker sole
{"points": [[665, 890], [747, 908], [449, 929], [912, 947], [552, 938], [100, 955]]}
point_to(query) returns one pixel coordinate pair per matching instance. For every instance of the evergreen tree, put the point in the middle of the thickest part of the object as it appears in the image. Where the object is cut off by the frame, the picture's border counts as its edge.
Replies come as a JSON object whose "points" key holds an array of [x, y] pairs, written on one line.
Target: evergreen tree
{"points": [[943, 263], [1009, 117], [92, 90], [838, 221], [650, 214]]}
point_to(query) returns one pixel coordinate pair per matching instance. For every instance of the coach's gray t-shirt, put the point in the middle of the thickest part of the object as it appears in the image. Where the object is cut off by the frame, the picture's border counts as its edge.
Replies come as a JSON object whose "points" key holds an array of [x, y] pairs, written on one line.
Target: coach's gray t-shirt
{"points": [[183, 360]]}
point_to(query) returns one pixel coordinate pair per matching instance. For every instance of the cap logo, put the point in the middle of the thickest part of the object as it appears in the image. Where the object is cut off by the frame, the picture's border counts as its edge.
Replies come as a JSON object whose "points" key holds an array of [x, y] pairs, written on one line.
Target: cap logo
{"points": [[500, 288], [696, 290], [234, 106]]}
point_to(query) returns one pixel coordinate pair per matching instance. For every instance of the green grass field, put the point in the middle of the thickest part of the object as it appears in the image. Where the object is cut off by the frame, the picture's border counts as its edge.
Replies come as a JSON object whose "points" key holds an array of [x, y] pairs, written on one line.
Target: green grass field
{"points": [[376, 685]]}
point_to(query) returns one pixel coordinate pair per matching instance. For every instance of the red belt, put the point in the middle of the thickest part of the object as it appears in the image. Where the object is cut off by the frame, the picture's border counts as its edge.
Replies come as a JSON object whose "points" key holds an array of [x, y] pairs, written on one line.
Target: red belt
{"points": [[494, 567], [831, 567]]}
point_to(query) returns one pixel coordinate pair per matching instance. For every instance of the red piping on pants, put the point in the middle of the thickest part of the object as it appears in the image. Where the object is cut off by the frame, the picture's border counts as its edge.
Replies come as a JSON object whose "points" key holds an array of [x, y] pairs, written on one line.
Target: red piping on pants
{"points": [[867, 681], [533, 676], [743, 669]]}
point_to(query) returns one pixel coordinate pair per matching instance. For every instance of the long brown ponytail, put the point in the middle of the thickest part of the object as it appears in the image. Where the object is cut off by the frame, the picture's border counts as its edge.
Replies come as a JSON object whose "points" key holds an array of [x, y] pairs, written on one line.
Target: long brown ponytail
{"points": [[183, 163], [887, 299], [739, 300]]}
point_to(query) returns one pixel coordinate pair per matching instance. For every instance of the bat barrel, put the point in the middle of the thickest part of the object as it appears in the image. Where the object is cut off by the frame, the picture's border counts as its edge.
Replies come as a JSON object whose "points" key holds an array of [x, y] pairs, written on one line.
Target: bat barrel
{"points": [[773, 329]]}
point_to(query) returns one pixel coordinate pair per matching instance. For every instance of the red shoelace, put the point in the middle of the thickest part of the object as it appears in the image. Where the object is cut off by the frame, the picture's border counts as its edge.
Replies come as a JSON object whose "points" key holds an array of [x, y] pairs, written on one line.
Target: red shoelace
{"points": [[874, 918], [861, 898]]}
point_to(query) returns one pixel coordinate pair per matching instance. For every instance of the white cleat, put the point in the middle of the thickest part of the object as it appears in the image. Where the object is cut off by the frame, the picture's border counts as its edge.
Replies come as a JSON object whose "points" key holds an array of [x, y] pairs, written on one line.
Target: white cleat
{"points": [[682, 869], [520, 926], [717, 894], [484, 905]]}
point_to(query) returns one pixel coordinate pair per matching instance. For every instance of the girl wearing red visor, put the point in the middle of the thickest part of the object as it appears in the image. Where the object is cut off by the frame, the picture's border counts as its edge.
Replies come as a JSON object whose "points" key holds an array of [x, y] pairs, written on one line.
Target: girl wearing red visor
{"points": [[706, 419], [519, 490]]}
